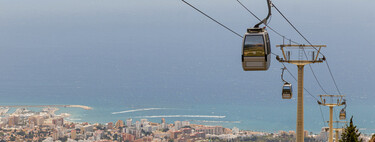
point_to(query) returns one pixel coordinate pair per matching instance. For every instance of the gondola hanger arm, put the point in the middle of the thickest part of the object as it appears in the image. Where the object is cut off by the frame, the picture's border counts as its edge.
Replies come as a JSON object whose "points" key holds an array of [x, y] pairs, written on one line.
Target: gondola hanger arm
{"points": [[282, 74], [264, 21]]}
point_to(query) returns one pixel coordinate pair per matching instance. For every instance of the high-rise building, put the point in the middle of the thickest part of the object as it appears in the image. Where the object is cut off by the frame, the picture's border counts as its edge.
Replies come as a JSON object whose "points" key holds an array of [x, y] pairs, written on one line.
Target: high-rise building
{"points": [[164, 125], [137, 125], [177, 125], [13, 120], [129, 122]]}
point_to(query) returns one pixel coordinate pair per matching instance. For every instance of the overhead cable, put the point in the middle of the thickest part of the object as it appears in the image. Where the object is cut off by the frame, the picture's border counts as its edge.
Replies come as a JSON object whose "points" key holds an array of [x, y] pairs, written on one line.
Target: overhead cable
{"points": [[212, 19], [330, 71]]}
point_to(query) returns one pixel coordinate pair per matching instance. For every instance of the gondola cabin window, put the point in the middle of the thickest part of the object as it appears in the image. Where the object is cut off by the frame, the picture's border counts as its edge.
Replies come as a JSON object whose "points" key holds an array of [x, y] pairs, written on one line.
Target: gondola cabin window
{"points": [[254, 46], [287, 88]]}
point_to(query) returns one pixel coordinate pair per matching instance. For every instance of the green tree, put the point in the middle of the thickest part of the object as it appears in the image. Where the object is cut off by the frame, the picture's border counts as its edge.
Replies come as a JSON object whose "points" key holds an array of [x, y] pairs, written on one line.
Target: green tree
{"points": [[351, 133], [186, 127], [12, 138], [165, 130], [30, 136], [22, 133], [106, 137], [99, 128], [64, 139]]}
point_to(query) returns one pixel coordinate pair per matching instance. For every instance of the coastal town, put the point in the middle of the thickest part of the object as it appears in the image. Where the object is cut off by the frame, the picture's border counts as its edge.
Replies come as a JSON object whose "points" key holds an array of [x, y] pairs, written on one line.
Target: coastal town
{"points": [[24, 125]]}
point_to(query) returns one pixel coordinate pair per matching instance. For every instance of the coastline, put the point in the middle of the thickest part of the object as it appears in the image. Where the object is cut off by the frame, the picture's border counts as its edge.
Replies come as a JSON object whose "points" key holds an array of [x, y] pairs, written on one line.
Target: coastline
{"points": [[46, 106]]}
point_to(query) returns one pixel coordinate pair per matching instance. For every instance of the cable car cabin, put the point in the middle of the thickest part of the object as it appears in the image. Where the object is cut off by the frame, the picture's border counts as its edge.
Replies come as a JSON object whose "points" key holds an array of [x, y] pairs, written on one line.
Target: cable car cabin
{"points": [[342, 114], [287, 91], [256, 50]]}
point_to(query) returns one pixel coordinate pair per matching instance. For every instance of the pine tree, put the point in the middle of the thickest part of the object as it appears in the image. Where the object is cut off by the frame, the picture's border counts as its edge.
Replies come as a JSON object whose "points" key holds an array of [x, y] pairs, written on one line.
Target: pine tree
{"points": [[350, 133]]}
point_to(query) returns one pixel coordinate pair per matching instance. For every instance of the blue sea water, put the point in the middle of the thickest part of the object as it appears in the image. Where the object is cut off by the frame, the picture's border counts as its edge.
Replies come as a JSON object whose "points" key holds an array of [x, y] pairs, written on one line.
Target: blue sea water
{"points": [[256, 116], [136, 54]]}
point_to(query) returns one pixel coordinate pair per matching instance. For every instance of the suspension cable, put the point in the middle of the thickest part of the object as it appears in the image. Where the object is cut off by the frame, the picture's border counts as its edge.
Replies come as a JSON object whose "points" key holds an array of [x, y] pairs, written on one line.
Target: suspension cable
{"points": [[316, 78], [320, 108], [242, 37], [282, 37], [212, 19], [312, 70], [266, 23], [330, 71], [285, 38], [334, 81]]}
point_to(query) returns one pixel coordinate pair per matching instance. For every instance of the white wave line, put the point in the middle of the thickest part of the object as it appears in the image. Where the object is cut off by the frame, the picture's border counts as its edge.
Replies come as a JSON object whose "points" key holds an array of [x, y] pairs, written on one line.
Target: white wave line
{"points": [[74, 119], [135, 110], [194, 116], [207, 121]]}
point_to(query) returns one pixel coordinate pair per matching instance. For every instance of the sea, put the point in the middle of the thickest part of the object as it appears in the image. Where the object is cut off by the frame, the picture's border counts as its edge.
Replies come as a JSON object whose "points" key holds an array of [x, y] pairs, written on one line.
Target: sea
{"points": [[162, 59]]}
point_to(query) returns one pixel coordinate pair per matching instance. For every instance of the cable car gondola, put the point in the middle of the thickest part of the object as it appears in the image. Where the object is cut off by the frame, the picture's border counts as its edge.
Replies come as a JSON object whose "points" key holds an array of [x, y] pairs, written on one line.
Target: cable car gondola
{"points": [[343, 111], [342, 114], [287, 91], [256, 51], [256, 48]]}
